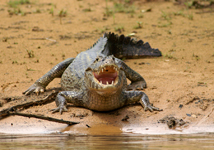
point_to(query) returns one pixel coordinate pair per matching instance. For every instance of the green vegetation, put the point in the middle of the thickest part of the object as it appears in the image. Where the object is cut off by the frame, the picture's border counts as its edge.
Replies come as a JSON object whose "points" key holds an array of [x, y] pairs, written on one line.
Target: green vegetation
{"points": [[198, 4], [62, 13], [179, 13], [15, 3], [196, 57], [87, 10], [105, 28], [169, 54], [37, 11], [30, 53], [190, 16], [29, 69], [124, 8], [108, 12], [165, 16], [16, 11], [140, 16], [119, 29], [119, 7], [165, 25], [139, 25], [15, 62], [51, 11]]}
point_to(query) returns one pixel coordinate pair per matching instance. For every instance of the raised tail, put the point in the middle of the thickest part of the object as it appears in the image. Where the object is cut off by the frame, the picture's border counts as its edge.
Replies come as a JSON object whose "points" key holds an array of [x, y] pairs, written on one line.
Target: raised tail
{"points": [[126, 47]]}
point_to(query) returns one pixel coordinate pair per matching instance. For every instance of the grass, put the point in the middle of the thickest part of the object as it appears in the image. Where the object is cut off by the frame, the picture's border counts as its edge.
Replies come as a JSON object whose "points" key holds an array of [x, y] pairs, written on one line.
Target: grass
{"points": [[30, 53], [15, 3], [140, 16], [196, 57], [16, 11], [87, 10], [169, 55], [119, 29], [37, 11], [166, 16], [181, 13], [51, 11], [108, 11], [139, 25], [15, 62], [124, 8], [165, 25], [190, 16], [62, 13]]}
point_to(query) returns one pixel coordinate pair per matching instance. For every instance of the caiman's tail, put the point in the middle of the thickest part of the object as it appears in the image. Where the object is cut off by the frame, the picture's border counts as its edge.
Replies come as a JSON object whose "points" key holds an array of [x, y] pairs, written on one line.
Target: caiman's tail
{"points": [[126, 47]]}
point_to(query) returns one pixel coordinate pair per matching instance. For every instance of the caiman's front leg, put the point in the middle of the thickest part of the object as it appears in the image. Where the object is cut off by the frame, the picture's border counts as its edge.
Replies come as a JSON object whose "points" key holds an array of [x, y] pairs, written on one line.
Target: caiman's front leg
{"points": [[55, 72], [67, 96], [137, 81], [136, 96]]}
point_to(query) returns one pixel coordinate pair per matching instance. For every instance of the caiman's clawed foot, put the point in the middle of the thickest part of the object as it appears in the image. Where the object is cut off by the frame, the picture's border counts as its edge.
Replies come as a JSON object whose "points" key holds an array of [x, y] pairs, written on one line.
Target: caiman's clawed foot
{"points": [[146, 104], [59, 109], [140, 85], [35, 88]]}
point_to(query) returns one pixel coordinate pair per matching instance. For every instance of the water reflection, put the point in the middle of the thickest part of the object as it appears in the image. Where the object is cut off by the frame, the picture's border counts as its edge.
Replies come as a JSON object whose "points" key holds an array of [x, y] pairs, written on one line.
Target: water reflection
{"points": [[120, 141]]}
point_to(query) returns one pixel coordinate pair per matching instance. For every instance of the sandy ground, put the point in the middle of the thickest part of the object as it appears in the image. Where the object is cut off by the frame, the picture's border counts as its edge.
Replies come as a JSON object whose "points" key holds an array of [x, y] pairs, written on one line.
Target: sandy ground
{"points": [[181, 82]]}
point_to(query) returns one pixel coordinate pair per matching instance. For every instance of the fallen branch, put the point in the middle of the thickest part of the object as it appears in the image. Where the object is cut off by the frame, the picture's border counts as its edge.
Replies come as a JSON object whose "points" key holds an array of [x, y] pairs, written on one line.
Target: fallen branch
{"points": [[44, 118], [48, 99]]}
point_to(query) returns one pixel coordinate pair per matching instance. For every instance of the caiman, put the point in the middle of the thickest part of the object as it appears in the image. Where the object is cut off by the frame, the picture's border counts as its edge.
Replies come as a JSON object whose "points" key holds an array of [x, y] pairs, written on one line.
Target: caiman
{"points": [[96, 78]]}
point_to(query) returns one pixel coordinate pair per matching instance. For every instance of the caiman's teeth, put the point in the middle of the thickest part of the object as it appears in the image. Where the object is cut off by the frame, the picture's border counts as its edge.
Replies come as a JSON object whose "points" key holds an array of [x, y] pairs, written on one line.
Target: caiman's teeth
{"points": [[107, 83], [101, 82], [102, 70], [112, 82]]}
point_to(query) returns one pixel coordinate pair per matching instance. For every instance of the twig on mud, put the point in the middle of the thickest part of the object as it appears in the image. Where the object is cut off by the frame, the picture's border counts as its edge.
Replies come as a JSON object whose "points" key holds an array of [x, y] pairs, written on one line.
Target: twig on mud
{"points": [[203, 12], [205, 117], [52, 40], [44, 118], [48, 99], [36, 38]]}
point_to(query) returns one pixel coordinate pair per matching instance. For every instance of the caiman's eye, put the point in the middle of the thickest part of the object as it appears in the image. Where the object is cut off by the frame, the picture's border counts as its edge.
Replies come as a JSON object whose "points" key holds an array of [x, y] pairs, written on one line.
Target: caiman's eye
{"points": [[97, 59]]}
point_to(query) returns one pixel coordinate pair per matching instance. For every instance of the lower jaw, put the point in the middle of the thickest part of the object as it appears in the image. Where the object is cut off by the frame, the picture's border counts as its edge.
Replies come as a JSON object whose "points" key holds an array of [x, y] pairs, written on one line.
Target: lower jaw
{"points": [[106, 92]]}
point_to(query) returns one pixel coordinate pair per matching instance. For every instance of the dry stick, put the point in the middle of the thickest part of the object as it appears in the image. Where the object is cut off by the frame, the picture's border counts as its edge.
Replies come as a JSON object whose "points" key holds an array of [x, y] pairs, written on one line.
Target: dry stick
{"points": [[47, 99], [44, 118], [52, 40], [205, 117], [203, 12]]}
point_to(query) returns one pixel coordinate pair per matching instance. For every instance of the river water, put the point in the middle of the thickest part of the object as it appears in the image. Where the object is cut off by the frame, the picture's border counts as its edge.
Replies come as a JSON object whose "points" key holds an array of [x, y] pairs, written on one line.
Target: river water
{"points": [[118, 141]]}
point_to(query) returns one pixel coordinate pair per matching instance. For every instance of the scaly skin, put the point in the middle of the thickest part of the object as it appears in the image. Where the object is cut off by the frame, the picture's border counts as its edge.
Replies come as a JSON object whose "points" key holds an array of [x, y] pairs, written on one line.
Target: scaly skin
{"points": [[96, 80]]}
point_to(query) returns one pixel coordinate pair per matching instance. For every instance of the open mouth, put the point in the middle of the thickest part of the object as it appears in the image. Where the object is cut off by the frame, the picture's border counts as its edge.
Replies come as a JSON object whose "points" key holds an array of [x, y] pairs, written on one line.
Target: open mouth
{"points": [[107, 75]]}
